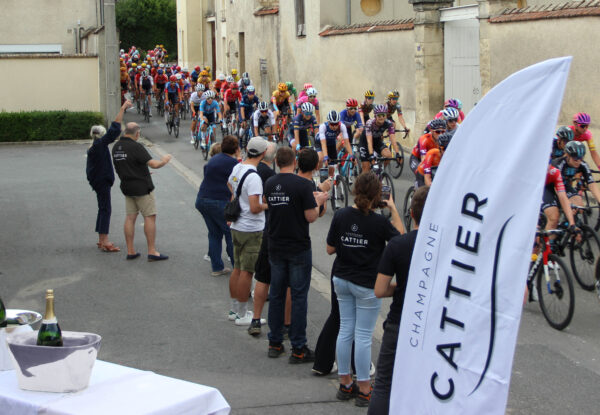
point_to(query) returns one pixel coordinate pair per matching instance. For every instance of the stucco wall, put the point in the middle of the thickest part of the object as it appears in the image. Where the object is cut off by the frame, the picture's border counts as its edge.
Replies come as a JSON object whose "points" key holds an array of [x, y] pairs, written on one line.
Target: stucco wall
{"points": [[390, 9], [45, 21], [73, 85]]}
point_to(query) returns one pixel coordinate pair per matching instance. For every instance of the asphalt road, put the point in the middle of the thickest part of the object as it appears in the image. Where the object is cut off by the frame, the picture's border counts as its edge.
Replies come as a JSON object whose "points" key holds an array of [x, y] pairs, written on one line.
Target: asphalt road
{"points": [[169, 317]]}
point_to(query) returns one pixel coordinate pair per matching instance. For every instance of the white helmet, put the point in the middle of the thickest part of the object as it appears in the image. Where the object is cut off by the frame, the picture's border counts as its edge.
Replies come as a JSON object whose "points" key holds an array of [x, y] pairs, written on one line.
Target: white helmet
{"points": [[178, 76], [333, 117], [311, 92], [221, 77], [230, 79], [263, 106], [185, 69], [162, 65], [209, 94], [307, 107], [200, 87], [250, 88], [245, 75], [121, 51], [450, 113]]}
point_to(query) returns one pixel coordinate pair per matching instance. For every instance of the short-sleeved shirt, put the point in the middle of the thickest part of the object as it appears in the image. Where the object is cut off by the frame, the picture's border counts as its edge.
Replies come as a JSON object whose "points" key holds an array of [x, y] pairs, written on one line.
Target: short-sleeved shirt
{"points": [[131, 164], [554, 179], [331, 135], [351, 121], [257, 116], [302, 124], [265, 173], [358, 240], [252, 186], [394, 108], [304, 99], [424, 144], [430, 162], [377, 131], [586, 136], [288, 196], [568, 173], [207, 108], [280, 97], [395, 261]]}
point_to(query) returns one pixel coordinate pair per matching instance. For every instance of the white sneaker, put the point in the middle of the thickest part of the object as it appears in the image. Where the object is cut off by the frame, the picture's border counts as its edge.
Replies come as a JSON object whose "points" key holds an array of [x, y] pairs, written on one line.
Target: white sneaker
{"points": [[206, 257], [224, 271], [247, 319], [334, 367], [553, 265], [192, 140], [232, 315], [371, 370]]}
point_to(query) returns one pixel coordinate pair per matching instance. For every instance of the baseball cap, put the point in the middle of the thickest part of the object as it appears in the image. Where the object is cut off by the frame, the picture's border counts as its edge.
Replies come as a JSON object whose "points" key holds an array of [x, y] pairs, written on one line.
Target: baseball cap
{"points": [[256, 146]]}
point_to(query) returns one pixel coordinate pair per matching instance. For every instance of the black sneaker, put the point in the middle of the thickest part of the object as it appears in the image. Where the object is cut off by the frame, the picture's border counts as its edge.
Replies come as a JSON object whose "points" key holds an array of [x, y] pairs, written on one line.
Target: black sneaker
{"points": [[345, 393], [302, 355], [362, 399], [276, 350], [254, 329]]}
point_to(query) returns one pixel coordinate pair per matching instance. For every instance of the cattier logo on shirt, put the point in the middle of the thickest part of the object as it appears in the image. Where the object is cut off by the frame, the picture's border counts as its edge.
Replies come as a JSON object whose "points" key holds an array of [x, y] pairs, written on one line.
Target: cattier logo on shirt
{"points": [[278, 187], [354, 227]]}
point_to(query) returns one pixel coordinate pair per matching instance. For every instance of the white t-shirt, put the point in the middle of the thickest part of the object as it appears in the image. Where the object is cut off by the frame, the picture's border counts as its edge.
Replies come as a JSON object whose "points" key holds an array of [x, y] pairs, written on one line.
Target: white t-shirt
{"points": [[248, 221]]}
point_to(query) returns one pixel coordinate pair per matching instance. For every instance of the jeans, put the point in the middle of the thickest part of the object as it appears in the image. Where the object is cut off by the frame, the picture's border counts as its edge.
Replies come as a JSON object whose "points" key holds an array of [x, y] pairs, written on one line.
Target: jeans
{"points": [[104, 209], [380, 398], [359, 309], [294, 270], [212, 212]]}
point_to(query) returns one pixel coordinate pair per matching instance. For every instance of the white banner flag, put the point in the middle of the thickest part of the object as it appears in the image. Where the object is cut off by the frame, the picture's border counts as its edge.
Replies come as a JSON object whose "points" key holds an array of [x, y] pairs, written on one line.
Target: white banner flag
{"points": [[467, 277]]}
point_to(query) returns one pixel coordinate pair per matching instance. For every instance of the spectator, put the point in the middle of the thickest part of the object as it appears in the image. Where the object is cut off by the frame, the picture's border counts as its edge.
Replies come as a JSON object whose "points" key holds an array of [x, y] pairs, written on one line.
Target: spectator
{"points": [[292, 206], [131, 161], [247, 231], [212, 197], [100, 174], [214, 149], [395, 260], [357, 236]]}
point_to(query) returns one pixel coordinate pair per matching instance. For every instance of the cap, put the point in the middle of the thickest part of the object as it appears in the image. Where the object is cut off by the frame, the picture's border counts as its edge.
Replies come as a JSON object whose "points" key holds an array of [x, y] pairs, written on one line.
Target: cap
{"points": [[256, 146]]}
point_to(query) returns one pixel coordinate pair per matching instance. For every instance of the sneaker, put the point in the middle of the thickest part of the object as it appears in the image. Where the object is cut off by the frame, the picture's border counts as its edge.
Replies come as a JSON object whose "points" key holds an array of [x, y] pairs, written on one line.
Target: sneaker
{"points": [[206, 257], [192, 142], [372, 370], [232, 315], [224, 271], [254, 329], [323, 373], [345, 393], [276, 350], [362, 400], [302, 355], [150, 115], [247, 319], [553, 265]]}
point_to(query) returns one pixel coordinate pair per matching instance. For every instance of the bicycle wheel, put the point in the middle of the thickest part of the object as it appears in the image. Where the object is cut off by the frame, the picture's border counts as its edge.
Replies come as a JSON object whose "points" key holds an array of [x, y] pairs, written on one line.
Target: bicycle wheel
{"points": [[176, 129], [557, 295], [139, 107], [406, 208], [169, 124], [583, 256], [206, 147], [197, 139], [386, 180], [340, 193], [395, 166]]}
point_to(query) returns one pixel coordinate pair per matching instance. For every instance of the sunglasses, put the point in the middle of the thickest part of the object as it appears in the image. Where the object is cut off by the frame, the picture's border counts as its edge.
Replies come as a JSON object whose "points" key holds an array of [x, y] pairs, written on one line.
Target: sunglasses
{"points": [[307, 114], [369, 97], [312, 96], [583, 125], [452, 120], [576, 158], [334, 124], [264, 111], [352, 108], [439, 131]]}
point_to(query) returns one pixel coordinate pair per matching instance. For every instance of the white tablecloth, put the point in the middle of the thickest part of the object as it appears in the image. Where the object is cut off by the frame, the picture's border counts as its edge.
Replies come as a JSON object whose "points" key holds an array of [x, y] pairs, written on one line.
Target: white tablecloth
{"points": [[115, 390]]}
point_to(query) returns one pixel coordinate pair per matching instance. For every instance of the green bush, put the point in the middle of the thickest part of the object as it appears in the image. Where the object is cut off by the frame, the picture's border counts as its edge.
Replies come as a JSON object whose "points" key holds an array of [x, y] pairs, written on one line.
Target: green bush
{"points": [[47, 125]]}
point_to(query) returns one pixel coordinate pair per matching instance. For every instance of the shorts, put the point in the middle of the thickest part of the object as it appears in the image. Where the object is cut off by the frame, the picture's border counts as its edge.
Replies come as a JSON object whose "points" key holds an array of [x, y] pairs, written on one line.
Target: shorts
{"points": [[549, 199], [246, 246], [147, 89], [284, 107], [263, 266], [331, 150], [173, 98], [414, 164], [210, 117], [263, 122], [146, 205], [302, 136], [363, 149], [232, 106]]}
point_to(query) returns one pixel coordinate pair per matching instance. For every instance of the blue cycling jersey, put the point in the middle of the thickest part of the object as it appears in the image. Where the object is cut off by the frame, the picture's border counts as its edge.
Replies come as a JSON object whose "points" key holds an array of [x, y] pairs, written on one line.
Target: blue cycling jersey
{"points": [[209, 108], [556, 152], [351, 121], [172, 87], [249, 105], [300, 123], [331, 135]]}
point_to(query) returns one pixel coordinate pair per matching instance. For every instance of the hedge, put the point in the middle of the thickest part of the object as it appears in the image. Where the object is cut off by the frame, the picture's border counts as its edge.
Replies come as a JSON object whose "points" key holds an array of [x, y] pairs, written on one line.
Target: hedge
{"points": [[47, 125]]}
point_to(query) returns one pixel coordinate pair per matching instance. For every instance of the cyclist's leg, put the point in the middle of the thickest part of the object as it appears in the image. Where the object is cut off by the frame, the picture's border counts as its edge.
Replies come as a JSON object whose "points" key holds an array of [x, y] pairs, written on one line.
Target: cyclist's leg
{"points": [[385, 152]]}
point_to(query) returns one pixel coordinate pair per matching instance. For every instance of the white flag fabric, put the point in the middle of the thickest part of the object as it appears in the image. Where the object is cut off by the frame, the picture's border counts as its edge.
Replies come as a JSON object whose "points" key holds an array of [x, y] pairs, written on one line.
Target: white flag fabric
{"points": [[468, 272]]}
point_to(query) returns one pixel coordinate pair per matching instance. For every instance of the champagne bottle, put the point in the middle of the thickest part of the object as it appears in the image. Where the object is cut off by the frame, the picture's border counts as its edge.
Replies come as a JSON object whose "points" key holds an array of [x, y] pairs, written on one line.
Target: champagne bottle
{"points": [[2, 314], [49, 333]]}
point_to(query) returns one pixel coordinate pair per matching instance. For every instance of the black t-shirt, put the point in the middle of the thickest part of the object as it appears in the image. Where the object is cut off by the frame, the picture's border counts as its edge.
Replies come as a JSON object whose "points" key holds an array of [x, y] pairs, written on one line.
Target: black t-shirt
{"points": [[265, 172], [396, 261], [131, 164], [288, 196], [359, 240]]}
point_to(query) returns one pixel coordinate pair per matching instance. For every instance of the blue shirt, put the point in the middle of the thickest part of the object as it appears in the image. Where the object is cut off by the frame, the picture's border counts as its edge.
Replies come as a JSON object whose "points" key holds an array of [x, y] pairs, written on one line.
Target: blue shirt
{"points": [[249, 105], [172, 87], [300, 123], [209, 108], [354, 121], [216, 174]]}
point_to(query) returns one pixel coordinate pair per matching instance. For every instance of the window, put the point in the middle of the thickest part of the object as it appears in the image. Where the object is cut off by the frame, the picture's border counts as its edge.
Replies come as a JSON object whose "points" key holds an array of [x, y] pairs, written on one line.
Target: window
{"points": [[300, 27], [370, 7]]}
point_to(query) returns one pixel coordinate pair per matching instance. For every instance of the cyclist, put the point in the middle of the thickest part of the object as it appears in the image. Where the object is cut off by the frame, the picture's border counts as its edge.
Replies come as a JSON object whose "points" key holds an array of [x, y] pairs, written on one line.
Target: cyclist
{"points": [[371, 140], [136, 82], [395, 107], [146, 85], [195, 101], [367, 106], [281, 100], [124, 79], [207, 110], [563, 136], [305, 88], [204, 79], [234, 75], [160, 80], [263, 118], [581, 123], [428, 167], [249, 103], [300, 125], [352, 120], [293, 91], [245, 75], [232, 99], [572, 167], [173, 96], [451, 116], [326, 142], [452, 103], [554, 191], [219, 82], [243, 85], [226, 85], [194, 75], [311, 96], [426, 142]]}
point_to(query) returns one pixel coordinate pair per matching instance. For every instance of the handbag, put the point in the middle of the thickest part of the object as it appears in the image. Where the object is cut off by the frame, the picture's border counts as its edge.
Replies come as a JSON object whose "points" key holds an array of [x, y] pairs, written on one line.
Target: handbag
{"points": [[233, 210]]}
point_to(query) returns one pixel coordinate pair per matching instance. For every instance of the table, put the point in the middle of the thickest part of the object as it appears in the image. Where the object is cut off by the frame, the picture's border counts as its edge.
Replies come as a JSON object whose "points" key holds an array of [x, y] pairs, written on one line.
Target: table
{"points": [[115, 389]]}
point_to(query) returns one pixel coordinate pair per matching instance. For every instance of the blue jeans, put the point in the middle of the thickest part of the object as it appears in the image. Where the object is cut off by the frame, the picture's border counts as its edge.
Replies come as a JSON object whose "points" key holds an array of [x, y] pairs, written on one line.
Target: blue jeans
{"points": [[293, 270], [212, 212], [359, 309]]}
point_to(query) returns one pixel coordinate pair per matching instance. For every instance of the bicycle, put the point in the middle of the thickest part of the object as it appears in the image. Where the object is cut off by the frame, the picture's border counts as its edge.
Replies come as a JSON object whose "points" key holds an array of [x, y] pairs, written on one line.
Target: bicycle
{"points": [[584, 254], [184, 108], [172, 121], [245, 134], [340, 191], [396, 166], [146, 109], [207, 138], [348, 169], [385, 179], [553, 282], [160, 105], [406, 208], [282, 124]]}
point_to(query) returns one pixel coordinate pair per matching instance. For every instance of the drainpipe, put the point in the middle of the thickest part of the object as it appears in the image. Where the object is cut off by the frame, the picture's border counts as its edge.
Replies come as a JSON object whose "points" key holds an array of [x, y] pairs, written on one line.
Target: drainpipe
{"points": [[76, 35], [348, 12], [79, 39]]}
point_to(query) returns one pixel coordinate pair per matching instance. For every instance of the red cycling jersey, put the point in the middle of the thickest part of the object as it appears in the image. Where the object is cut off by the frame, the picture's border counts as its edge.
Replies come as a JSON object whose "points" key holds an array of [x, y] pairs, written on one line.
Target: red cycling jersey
{"points": [[231, 96], [161, 79], [425, 143], [554, 177], [431, 159]]}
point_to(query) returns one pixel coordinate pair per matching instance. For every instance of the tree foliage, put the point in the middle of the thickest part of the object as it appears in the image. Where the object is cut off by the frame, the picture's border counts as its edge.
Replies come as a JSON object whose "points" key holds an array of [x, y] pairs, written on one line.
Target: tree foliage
{"points": [[147, 23]]}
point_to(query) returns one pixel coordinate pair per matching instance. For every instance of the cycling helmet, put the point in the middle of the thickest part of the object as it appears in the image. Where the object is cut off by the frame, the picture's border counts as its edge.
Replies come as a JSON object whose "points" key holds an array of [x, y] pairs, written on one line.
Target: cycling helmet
{"points": [[282, 87], [203, 73], [234, 71], [197, 68], [229, 79], [160, 72], [289, 85], [205, 94], [121, 51], [311, 92], [263, 106], [351, 103], [307, 85], [178, 76], [369, 94], [564, 133], [207, 69], [444, 140], [246, 81], [221, 77], [393, 94], [380, 109], [437, 124], [144, 65], [234, 85], [250, 89], [333, 117], [450, 113], [178, 68], [307, 108], [173, 78], [451, 103], [162, 65], [209, 94], [245, 75], [575, 149], [200, 87], [459, 102], [134, 65], [582, 118], [185, 70]]}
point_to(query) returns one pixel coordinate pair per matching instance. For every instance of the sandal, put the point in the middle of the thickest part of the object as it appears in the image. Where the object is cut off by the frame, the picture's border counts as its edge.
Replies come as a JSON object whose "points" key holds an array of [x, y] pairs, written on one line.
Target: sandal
{"points": [[110, 247]]}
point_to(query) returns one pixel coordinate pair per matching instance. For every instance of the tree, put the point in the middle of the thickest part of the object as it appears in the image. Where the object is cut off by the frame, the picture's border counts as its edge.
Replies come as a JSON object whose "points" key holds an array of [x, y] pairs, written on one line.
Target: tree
{"points": [[147, 23]]}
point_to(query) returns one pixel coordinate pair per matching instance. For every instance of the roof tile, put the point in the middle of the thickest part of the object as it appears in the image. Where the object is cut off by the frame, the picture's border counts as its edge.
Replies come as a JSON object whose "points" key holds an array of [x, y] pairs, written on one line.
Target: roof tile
{"points": [[381, 26], [549, 11]]}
